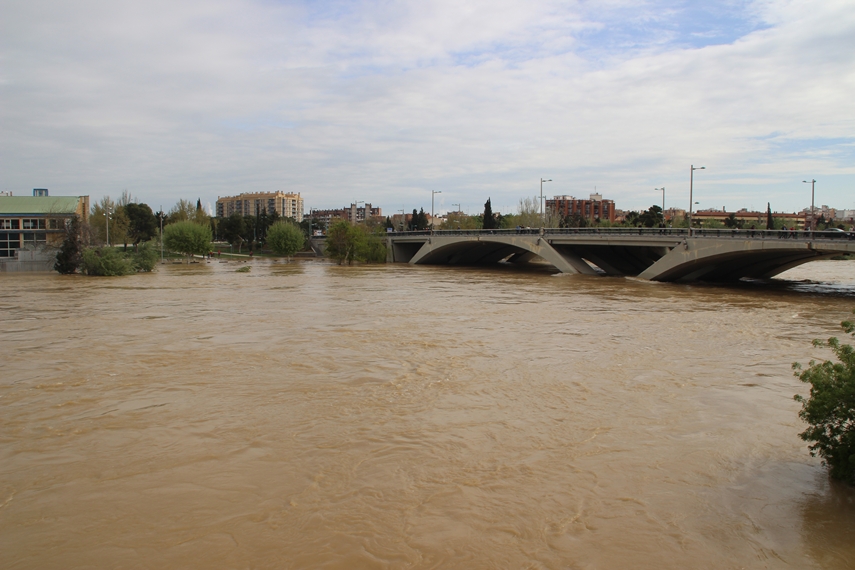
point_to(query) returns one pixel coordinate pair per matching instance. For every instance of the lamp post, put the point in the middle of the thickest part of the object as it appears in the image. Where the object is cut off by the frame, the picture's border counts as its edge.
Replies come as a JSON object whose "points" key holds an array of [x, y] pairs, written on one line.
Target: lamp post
{"points": [[663, 202], [812, 215], [161, 233], [691, 187], [432, 194], [541, 198], [107, 211]]}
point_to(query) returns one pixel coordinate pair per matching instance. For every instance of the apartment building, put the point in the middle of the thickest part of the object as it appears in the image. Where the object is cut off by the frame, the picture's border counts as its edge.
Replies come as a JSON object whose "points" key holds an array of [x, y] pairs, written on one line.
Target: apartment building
{"points": [[286, 205], [354, 214], [594, 208]]}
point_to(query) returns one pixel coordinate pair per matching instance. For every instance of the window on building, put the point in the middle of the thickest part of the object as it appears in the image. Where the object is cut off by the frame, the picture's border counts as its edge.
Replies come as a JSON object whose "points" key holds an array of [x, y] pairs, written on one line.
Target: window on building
{"points": [[34, 224], [9, 242], [9, 225], [33, 238]]}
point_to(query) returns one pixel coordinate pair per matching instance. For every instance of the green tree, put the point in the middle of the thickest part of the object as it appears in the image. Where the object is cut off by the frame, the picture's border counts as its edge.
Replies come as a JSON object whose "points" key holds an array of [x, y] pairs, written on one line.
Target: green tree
{"points": [[118, 221], [342, 241], [188, 238], [830, 408], [349, 243], [489, 222], [372, 249], [70, 254], [459, 220], [652, 217], [285, 238], [233, 229], [142, 223], [182, 211], [733, 223], [632, 218]]}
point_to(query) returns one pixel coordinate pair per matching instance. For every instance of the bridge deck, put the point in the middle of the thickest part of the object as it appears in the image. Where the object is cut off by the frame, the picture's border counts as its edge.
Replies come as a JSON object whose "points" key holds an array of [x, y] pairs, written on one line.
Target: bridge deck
{"points": [[664, 254]]}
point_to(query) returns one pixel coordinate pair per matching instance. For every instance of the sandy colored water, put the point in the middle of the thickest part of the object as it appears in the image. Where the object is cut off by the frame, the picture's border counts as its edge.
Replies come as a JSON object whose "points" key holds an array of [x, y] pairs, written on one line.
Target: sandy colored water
{"points": [[307, 415]]}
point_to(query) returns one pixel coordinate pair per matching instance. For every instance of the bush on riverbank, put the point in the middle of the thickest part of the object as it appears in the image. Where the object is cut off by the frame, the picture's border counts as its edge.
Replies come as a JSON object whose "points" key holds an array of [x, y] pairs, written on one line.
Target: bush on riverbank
{"points": [[349, 243], [109, 262], [830, 408]]}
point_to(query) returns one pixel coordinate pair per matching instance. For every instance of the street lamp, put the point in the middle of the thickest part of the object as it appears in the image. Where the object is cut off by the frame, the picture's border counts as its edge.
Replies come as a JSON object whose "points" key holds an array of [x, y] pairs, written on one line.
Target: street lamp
{"points": [[812, 215], [541, 198], [432, 194], [160, 215], [663, 202], [691, 185], [107, 211]]}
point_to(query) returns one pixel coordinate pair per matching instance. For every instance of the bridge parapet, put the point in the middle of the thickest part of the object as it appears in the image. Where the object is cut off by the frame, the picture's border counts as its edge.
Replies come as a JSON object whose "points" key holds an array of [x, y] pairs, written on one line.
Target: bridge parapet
{"points": [[717, 233]]}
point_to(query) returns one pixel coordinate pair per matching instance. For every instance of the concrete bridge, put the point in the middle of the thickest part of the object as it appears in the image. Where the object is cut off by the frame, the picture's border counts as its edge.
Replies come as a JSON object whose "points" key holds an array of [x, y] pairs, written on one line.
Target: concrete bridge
{"points": [[655, 254]]}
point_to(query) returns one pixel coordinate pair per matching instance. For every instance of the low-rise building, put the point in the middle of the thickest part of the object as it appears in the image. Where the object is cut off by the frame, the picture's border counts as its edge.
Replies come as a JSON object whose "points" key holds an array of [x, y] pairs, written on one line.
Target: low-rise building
{"points": [[27, 222], [758, 219], [593, 209], [286, 205]]}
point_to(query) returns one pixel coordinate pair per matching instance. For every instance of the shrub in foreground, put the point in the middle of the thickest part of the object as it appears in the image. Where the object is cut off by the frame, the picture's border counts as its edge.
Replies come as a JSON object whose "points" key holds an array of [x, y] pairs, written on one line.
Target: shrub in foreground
{"points": [[145, 257], [830, 408]]}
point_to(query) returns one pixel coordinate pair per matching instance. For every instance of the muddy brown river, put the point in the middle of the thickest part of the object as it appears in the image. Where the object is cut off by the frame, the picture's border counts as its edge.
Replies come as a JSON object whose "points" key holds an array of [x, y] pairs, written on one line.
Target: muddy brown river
{"points": [[306, 415]]}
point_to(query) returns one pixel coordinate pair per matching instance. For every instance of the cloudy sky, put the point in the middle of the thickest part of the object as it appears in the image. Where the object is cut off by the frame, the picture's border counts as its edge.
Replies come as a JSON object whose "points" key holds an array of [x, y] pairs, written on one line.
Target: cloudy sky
{"points": [[385, 101]]}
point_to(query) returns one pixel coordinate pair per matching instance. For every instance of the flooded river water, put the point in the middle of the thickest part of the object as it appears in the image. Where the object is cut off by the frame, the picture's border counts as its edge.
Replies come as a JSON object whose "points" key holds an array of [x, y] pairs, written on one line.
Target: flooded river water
{"points": [[306, 415]]}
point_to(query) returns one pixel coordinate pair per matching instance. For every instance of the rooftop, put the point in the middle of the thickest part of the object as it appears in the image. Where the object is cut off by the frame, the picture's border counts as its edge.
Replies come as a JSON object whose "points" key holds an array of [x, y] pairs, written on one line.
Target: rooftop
{"points": [[39, 205]]}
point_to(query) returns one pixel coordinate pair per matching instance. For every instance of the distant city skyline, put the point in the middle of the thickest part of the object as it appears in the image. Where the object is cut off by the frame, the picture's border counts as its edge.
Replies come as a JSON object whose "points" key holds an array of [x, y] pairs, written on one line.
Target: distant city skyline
{"points": [[346, 102]]}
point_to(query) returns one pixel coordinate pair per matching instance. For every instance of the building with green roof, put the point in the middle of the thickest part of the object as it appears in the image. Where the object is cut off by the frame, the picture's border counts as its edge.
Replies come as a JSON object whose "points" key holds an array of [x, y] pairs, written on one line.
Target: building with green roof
{"points": [[28, 222]]}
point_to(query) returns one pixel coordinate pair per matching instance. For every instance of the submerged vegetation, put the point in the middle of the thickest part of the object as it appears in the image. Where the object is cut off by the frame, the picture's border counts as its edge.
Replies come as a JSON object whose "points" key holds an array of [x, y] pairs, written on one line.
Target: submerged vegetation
{"points": [[107, 261]]}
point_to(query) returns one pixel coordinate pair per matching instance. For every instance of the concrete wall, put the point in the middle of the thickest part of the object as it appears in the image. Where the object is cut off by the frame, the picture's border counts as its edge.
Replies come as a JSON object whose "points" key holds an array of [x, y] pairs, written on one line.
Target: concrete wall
{"points": [[29, 260]]}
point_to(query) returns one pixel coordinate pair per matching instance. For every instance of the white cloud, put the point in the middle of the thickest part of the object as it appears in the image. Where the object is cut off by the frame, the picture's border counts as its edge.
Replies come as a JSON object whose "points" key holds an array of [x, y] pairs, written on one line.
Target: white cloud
{"points": [[384, 101]]}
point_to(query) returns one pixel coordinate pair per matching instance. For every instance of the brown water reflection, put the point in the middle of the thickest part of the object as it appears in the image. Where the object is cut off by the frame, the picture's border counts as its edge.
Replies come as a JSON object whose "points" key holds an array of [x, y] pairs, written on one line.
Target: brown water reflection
{"points": [[307, 415]]}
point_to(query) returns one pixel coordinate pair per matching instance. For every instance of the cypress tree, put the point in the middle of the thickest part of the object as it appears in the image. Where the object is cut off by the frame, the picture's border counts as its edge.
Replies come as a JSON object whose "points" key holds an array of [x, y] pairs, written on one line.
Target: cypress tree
{"points": [[489, 220]]}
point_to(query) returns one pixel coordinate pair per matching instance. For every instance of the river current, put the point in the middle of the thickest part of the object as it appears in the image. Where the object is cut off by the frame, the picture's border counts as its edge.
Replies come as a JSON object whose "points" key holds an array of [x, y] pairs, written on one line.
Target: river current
{"points": [[306, 415]]}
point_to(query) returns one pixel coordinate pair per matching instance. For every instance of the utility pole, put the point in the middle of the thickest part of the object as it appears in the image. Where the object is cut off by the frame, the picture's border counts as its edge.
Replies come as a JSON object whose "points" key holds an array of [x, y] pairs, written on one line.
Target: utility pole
{"points": [[691, 183]]}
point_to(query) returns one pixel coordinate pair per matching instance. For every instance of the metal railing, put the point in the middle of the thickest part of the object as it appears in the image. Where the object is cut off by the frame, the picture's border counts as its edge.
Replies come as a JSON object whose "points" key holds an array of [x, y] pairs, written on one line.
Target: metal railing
{"points": [[805, 235]]}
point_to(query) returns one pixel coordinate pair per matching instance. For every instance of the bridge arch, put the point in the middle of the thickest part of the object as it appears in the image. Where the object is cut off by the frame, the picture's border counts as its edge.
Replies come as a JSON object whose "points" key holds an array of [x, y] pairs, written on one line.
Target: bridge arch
{"points": [[486, 249]]}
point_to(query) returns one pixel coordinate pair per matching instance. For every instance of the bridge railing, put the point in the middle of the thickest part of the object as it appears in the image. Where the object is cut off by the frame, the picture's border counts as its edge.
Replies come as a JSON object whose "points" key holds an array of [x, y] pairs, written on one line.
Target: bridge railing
{"points": [[628, 231]]}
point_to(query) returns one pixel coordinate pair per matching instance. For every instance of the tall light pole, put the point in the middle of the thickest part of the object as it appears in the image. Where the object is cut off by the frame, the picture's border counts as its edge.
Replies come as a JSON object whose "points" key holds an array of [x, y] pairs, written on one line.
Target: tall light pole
{"points": [[541, 198], [107, 211], [161, 233], [432, 194], [663, 202], [691, 185], [812, 215]]}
